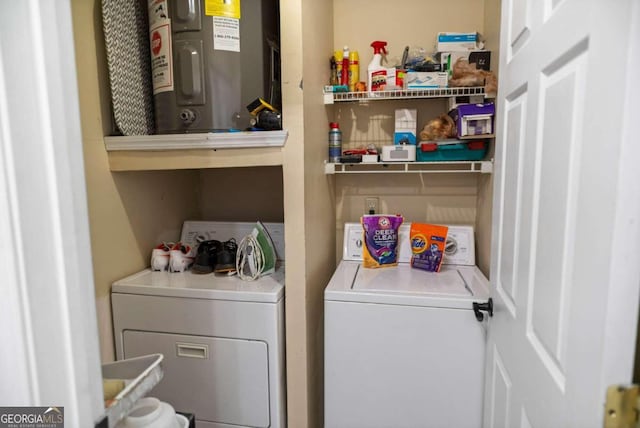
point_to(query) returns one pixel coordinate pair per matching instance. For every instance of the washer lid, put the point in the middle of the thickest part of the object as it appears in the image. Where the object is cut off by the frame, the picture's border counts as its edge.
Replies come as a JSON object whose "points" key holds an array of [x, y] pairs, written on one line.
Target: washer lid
{"points": [[452, 287], [268, 289]]}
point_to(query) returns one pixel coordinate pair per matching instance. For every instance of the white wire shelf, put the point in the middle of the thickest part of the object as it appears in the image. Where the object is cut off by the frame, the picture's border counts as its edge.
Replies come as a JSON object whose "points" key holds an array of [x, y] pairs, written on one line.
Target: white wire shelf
{"points": [[333, 97], [441, 167]]}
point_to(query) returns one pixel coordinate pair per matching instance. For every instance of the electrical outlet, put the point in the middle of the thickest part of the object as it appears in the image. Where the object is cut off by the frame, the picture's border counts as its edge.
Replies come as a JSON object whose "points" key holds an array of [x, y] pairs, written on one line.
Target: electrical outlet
{"points": [[371, 205]]}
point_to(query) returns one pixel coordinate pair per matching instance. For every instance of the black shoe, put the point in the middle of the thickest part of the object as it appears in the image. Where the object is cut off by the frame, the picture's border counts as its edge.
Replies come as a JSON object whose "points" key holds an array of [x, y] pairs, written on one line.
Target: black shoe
{"points": [[206, 256], [226, 257]]}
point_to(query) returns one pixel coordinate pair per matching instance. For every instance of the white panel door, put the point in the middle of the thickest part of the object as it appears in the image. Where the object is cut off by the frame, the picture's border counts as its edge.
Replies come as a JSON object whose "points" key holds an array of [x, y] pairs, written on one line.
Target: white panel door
{"points": [[565, 252]]}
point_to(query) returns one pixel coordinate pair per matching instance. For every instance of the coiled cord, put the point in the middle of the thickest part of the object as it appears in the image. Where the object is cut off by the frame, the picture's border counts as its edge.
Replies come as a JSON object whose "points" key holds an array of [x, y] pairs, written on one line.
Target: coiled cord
{"points": [[251, 257]]}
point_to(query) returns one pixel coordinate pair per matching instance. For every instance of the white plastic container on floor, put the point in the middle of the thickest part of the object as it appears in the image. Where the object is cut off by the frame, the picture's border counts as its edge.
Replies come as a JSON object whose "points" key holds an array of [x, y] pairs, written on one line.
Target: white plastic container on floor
{"points": [[150, 412]]}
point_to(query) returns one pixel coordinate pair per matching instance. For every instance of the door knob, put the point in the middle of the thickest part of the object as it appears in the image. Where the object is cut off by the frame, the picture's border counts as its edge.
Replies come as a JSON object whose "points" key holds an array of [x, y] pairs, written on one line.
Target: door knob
{"points": [[479, 307]]}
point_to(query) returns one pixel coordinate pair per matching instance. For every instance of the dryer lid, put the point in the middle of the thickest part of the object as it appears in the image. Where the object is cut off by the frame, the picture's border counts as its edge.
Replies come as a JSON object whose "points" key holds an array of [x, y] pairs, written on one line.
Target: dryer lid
{"points": [[268, 289]]}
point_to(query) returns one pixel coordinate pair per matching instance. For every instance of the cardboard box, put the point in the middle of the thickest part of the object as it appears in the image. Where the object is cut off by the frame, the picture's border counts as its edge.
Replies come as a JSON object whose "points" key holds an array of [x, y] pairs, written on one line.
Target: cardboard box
{"points": [[395, 79], [426, 79], [457, 41], [482, 59], [405, 130], [473, 119]]}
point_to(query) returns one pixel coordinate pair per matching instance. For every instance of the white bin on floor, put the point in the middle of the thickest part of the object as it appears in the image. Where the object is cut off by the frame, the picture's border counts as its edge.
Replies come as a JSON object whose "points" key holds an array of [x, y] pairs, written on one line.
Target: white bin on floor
{"points": [[150, 412]]}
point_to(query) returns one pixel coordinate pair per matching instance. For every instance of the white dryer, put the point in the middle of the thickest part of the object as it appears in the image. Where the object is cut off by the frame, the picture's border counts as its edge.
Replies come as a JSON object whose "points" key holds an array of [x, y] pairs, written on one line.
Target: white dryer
{"points": [[403, 347], [222, 338]]}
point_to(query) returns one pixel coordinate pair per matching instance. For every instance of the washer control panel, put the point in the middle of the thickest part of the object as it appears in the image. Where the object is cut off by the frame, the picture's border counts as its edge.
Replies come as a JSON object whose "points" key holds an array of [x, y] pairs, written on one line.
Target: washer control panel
{"points": [[459, 249]]}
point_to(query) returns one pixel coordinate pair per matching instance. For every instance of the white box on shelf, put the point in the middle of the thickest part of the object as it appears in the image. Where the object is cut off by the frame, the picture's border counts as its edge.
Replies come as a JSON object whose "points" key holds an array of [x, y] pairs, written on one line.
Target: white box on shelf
{"points": [[457, 41], [405, 126], [426, 79], [477, 124], [398, 153]]}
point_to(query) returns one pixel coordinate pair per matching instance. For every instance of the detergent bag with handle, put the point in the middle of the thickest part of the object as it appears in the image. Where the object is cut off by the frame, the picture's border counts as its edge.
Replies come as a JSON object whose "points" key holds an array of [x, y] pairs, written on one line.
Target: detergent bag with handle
{"points": [[380, 240]]}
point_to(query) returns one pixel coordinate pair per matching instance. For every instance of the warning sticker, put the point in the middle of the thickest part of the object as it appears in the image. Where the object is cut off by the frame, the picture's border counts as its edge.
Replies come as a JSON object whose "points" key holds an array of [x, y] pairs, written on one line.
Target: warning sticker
{"points": [[226, 34], [157, 12], [161, 57], [226, 8]]}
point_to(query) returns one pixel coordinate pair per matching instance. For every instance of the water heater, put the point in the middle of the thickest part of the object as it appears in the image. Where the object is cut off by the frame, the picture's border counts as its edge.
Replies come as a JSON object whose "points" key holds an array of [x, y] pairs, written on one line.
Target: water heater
{"points": [[201, 78]]}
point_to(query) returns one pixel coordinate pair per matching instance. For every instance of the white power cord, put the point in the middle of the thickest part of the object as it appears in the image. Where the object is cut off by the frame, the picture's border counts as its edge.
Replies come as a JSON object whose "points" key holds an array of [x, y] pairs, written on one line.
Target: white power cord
{"points": [[251, 257]]}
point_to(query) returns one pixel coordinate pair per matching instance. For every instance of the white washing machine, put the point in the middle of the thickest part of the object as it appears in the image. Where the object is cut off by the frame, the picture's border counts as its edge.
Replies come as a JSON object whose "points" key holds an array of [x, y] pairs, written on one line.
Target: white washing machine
{"points": [[222, 338], [403, 347]]}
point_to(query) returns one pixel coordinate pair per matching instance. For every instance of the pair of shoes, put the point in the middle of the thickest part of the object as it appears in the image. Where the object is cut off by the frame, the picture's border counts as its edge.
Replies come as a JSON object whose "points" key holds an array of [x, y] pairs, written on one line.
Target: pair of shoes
{"points": [[226, 258], [206, 256], [216, 256], [181, 257], [173, 257], [160, 256]]}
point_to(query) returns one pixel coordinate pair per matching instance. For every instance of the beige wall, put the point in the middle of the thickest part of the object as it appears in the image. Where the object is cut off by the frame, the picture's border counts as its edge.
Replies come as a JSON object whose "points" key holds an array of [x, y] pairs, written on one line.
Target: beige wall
{"points": [[357, 23], [318, 198], [309, 220], [129, 213], [293, 185], [241, 194]]}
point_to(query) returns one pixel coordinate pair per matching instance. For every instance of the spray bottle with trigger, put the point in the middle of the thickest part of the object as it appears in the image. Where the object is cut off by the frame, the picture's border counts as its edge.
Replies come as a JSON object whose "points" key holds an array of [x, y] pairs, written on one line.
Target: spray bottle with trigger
{"points": [[376, 73]]}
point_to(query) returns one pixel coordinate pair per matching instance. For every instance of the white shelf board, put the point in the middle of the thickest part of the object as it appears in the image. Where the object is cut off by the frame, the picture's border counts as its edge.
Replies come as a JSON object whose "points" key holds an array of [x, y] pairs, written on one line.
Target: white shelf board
{"points": [[211, 140], [444, 167], [195, 151]]}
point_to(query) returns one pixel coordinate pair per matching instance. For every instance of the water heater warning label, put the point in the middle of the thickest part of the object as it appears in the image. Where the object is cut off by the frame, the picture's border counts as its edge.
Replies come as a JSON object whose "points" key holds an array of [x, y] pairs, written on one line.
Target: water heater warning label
{"points": [[161, 57], [226, 34], [227, 8]]}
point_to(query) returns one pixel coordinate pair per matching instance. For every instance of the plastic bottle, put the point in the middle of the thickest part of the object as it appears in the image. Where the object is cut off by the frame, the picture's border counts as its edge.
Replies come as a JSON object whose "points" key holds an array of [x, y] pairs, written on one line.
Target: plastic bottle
{"points": [[376, 73], [335, 142], [333, 79], [354, 70], [338, 58], [344, 79]]}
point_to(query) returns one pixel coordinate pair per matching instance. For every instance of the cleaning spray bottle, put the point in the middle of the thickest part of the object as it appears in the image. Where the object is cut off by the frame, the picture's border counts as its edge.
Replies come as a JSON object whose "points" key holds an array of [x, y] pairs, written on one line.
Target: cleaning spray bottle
{"points": [[376, 73]]}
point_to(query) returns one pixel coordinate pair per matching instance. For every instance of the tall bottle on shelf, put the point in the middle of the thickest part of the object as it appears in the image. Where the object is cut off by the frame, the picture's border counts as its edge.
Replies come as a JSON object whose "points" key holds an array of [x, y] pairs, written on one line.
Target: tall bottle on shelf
{"points": [[337, 56], [376, 73], [344, 78], [335, 142], [333, 80], [354, 70]]}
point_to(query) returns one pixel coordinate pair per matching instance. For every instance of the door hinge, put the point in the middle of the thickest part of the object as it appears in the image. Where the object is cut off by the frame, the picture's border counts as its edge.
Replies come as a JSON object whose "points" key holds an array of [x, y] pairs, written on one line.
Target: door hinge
{"points": [[622, 407]]}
